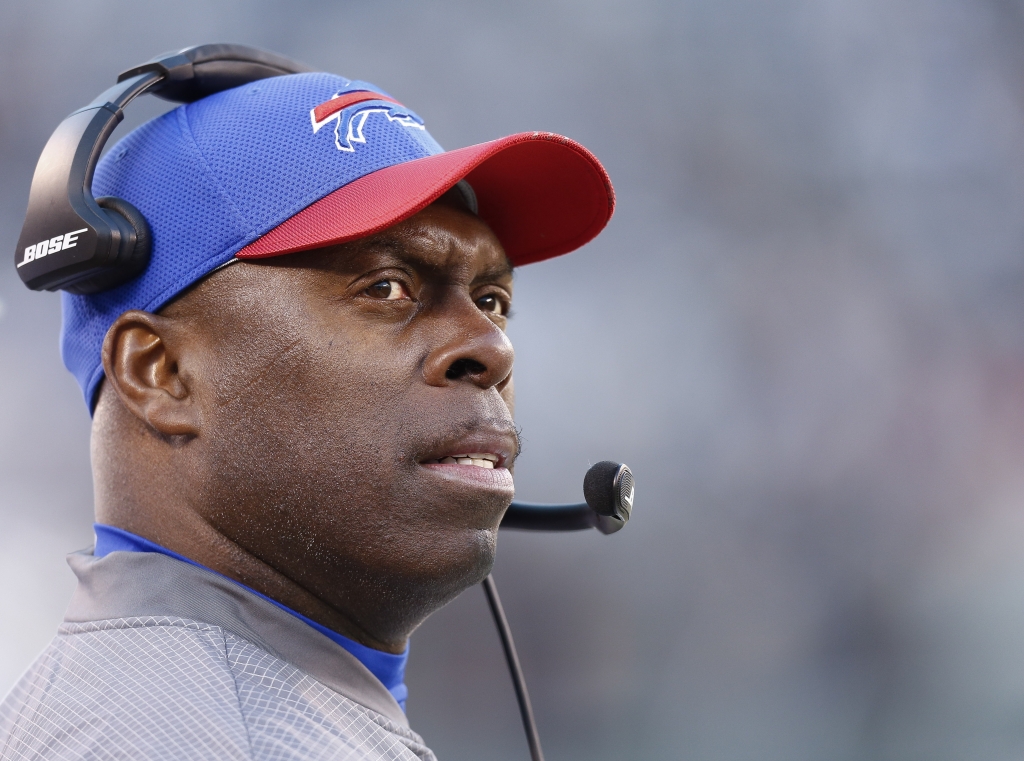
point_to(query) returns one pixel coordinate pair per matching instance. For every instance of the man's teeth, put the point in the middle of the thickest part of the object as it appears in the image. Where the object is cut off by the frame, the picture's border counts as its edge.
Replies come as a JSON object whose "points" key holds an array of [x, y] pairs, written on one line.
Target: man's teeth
{"points": [[481, 460]]}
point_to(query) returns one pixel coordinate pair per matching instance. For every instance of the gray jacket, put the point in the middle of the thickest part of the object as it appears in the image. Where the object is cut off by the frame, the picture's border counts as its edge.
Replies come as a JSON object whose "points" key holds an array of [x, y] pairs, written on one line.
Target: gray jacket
{"points": [[159, 659]]}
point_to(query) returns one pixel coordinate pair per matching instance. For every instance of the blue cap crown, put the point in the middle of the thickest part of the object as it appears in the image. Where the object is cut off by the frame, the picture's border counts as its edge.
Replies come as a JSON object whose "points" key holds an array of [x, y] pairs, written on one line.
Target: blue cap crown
{"points": [[213, 176]]}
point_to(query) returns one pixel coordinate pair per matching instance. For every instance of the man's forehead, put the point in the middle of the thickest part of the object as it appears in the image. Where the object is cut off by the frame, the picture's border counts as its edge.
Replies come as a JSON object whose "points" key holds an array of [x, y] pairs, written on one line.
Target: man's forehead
{"points": [[438, 238]]}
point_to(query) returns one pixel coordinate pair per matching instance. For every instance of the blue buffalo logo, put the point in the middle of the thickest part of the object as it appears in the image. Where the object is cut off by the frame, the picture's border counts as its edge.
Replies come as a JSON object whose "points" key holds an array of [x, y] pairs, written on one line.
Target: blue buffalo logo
{"points": [[349, 122]]}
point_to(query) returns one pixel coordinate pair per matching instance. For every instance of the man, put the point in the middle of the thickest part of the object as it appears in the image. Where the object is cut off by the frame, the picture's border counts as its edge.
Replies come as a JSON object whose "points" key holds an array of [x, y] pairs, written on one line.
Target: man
{"points": [[300, 456]]}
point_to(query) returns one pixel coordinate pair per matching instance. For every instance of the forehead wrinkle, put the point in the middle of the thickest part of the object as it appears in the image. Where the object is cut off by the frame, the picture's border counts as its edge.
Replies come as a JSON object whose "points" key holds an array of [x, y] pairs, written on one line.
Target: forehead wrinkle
{"points": [[438, 250]]}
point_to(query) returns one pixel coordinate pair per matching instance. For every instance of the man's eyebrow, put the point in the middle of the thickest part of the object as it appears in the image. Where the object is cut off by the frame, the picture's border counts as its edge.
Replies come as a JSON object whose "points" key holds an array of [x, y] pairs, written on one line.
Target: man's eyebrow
{"points": [[391, 244], [399, 247], [497, 272]]}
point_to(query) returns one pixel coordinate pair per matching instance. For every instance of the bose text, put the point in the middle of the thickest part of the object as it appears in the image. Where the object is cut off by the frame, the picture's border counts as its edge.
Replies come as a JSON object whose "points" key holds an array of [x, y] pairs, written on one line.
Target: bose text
{"points": [[51, 246]]}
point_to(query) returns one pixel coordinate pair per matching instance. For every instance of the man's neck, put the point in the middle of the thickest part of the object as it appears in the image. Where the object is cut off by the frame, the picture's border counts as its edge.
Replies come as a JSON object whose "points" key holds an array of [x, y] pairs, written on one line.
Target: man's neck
{"points": [[195, 540]]}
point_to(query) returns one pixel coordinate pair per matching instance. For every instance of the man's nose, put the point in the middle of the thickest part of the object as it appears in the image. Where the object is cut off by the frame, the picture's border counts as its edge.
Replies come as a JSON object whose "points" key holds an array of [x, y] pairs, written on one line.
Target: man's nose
{"points": [[472, 349]]}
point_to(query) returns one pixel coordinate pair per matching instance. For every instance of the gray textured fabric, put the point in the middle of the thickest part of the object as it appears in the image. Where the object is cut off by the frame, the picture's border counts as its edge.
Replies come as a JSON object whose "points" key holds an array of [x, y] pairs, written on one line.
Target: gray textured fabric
{"points": [[158, 659]]}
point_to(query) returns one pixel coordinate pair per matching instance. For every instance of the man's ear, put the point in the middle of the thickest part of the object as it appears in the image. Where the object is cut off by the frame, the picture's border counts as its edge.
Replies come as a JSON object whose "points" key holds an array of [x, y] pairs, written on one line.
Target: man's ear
{"points": [[142, 362]]}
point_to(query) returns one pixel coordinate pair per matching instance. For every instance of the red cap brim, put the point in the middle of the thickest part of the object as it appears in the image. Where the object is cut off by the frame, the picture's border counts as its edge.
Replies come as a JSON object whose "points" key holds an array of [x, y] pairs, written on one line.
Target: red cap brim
{"points": [[542, 194]]}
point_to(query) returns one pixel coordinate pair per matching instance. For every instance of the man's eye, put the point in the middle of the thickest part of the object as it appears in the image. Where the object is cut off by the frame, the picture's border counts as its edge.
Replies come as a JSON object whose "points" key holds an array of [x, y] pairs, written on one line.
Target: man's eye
{"points": [[492, 304], [387, 290]]}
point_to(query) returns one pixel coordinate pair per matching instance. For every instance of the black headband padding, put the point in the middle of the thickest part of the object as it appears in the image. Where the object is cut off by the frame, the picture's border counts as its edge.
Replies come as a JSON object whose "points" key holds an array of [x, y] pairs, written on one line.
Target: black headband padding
{"points": [[203, 70]]}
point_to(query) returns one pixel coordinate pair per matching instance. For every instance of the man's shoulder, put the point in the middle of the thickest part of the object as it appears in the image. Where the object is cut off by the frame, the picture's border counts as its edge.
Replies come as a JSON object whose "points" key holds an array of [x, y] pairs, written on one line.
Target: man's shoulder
{"points": [[147, 687], [161, 687], [139, 586]]}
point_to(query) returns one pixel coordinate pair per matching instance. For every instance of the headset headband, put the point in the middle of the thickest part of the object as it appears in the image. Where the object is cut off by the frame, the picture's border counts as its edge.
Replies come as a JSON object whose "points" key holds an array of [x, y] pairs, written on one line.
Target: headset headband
{"points": [[71, 241]]}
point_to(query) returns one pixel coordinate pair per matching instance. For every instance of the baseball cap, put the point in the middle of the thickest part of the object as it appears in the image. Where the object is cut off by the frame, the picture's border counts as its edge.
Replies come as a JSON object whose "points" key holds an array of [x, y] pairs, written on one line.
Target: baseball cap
{"points": [[307, 160]]}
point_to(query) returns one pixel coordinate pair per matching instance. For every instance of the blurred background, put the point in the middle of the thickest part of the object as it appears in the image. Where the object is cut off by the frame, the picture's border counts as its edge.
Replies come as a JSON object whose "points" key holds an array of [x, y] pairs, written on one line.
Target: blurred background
{"points": [[803, 329]]}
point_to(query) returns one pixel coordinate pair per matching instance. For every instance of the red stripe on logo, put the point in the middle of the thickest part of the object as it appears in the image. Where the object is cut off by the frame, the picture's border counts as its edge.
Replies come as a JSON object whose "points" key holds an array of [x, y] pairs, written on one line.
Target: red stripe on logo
{"points": [[334, 105]]}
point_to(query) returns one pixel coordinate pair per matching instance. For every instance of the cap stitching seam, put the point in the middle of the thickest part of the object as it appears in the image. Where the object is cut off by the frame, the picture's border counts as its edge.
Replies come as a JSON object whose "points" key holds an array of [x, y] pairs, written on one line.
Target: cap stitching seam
{"points": [[186, 129]]}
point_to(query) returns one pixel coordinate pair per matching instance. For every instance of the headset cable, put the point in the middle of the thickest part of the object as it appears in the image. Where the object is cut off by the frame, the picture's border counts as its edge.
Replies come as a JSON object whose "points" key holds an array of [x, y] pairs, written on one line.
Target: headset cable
{"points": [[525, 710]]}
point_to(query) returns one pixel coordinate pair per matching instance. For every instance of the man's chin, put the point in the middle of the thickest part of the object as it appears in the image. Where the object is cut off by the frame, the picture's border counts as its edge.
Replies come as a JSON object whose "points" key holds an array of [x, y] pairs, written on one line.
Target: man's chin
{"points": [[425, 587]]}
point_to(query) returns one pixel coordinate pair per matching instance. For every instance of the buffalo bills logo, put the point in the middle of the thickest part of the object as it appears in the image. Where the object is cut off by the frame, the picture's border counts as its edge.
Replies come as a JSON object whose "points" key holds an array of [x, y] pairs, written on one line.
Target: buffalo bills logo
{"points": [[349, 122]]}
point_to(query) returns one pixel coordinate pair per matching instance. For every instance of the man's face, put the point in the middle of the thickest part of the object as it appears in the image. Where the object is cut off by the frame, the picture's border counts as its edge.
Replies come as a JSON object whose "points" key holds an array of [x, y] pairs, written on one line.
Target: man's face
{"points": [[333, 386]]}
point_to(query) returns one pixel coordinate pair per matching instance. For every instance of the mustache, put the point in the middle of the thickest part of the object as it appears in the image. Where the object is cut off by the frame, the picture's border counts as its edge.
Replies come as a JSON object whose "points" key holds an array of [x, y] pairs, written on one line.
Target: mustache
{"points": [[492, 425]]}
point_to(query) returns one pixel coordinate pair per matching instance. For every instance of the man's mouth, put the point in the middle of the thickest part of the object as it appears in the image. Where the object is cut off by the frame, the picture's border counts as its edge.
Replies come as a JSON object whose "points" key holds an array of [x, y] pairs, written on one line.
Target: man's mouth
{"points": [[479, 460], [484, 460]]}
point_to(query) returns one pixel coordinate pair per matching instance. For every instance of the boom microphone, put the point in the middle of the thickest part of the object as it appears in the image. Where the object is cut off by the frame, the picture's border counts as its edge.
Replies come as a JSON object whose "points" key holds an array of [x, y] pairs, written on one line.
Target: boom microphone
{"points": [[608, 489]]}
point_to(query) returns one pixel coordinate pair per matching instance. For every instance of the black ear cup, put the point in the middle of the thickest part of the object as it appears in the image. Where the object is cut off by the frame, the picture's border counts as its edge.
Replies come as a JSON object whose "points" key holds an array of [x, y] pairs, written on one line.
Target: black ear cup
{"points": [[135, 243]]}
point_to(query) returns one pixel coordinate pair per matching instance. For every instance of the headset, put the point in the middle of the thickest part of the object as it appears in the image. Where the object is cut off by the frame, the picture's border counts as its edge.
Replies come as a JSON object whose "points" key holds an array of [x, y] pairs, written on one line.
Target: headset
{"points": [[73, 242]]}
